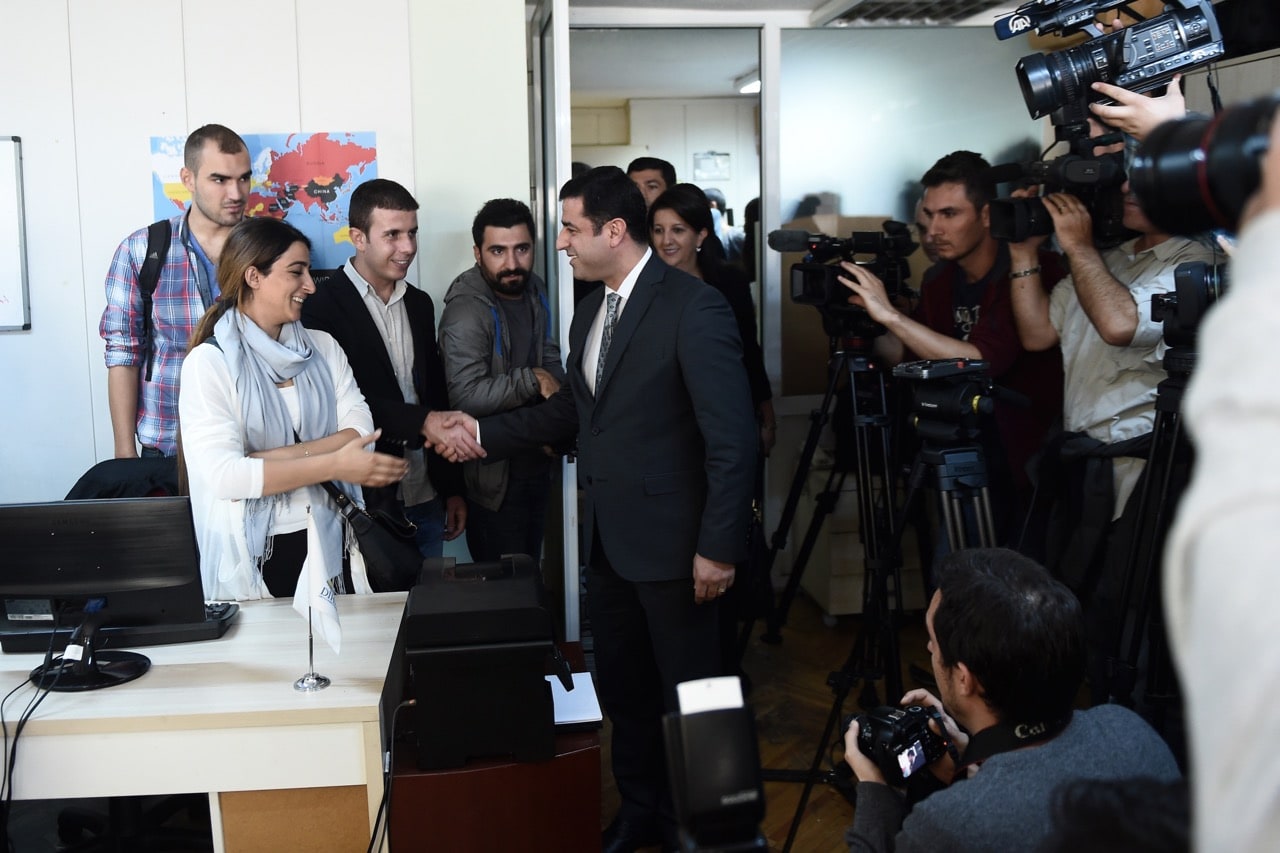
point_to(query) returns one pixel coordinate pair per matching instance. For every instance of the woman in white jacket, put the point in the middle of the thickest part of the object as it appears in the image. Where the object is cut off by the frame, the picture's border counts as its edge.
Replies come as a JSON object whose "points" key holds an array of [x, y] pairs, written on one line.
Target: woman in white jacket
{"points": [[268, 410]]}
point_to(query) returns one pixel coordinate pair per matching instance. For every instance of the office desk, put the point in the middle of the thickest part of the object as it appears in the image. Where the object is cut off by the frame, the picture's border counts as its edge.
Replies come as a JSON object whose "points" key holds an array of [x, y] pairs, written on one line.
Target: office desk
{"points": [[222, 717]]}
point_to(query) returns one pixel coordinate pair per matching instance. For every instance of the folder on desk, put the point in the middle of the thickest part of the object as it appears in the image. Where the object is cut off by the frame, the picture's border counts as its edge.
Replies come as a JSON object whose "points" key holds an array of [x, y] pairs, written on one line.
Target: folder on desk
{"points": [[578, 709]]}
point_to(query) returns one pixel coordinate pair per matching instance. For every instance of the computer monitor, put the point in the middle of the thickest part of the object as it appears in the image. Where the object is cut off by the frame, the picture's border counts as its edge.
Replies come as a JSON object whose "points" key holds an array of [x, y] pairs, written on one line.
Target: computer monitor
{"points": [[89, 577]]}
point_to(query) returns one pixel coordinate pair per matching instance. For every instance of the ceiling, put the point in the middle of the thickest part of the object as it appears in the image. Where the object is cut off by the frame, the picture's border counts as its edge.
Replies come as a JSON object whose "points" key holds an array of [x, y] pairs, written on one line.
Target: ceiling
{"points": [[611, 66]]}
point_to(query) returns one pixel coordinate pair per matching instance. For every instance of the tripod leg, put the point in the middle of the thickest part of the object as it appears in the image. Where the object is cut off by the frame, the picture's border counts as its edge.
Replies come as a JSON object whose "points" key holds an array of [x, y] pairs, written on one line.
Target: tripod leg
{"points": [[817, 420], [824, 505]]}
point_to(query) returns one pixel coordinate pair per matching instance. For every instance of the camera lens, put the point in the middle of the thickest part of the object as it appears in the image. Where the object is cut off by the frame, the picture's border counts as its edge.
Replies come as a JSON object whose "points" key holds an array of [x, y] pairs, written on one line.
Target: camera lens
{"points": [[1016, 219], [1197, 174], [1048, 81]]}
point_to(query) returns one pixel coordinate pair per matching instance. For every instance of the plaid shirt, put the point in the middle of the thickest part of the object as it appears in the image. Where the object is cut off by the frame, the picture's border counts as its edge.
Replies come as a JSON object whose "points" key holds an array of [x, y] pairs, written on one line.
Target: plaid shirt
{"points": [[176, 308]]}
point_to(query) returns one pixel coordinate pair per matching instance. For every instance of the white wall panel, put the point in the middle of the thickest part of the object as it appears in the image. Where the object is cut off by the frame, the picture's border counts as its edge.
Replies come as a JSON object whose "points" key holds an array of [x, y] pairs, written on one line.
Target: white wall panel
{"points": [[364, 89], [123, 94], [89, 82], [470, 121], [45, 405], [240, 59]]}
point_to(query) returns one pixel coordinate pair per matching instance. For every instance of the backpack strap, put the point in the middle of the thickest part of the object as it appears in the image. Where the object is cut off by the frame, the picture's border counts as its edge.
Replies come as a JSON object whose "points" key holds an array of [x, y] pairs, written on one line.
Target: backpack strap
{"points": [[159, 235]]}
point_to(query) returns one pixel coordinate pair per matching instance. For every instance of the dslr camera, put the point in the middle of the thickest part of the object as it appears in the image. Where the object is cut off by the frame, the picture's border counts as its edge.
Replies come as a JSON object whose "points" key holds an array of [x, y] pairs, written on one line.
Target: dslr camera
{"points": [[898, 740], [814, 280]]}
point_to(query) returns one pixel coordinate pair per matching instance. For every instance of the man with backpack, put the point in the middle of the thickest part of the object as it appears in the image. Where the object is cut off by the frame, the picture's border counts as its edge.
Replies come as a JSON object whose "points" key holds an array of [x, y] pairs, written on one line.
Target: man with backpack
{"points": [[162, 279]]}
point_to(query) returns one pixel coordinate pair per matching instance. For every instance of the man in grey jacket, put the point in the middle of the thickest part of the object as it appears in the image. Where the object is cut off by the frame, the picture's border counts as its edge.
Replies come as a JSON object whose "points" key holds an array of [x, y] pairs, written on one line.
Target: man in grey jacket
{"points": [[500, 353]]}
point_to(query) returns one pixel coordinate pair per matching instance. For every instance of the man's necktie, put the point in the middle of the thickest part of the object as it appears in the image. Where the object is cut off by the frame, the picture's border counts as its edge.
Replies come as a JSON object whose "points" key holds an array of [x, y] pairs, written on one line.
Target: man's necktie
{"points": [[606, 335]]}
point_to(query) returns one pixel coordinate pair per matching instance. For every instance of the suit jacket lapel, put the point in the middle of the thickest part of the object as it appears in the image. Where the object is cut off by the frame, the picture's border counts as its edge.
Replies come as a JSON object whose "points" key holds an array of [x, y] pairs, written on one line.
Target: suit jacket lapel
{"points": [[348, 299], [633, 312], [580, 328]]}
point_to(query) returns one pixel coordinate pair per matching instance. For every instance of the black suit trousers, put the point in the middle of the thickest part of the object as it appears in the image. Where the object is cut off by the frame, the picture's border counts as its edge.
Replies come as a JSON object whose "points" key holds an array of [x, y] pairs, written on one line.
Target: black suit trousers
{"points": [[648, 637]]}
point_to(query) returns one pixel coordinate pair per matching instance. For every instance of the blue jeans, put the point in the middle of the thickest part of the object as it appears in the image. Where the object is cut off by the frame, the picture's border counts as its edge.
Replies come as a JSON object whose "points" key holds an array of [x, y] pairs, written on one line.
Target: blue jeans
{"points": [[429, 517]]}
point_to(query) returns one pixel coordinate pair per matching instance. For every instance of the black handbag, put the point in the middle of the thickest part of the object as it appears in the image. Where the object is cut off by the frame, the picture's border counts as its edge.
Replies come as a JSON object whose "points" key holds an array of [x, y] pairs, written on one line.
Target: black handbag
{"points": [[392, 560]]}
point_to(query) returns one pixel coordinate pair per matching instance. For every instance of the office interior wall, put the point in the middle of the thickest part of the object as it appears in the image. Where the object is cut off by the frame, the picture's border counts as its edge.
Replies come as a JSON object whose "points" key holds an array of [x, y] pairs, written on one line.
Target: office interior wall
{"points": [[86, 84], [864, 113], [676, 129]]}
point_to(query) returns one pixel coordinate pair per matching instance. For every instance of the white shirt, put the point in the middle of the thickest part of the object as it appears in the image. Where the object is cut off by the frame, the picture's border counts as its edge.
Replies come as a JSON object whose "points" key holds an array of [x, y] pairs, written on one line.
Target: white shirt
{"points": [[592, 353], [220, 472], [392, 322], [1109, 392], [1221, 579]]}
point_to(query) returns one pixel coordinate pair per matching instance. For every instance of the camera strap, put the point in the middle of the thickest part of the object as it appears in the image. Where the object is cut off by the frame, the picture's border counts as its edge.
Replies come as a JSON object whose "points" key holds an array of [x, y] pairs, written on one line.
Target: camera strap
{"points": [[1006, 737]]}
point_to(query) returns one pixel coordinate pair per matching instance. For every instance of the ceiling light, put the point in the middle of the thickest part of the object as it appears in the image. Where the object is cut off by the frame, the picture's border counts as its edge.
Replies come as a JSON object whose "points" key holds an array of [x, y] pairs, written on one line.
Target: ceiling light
{"points": [[749, 83]]}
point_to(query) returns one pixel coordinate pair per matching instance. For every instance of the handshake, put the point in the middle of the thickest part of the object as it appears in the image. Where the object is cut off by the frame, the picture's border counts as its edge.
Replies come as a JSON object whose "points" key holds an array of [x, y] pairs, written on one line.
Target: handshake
{"points": [[453, 435]]}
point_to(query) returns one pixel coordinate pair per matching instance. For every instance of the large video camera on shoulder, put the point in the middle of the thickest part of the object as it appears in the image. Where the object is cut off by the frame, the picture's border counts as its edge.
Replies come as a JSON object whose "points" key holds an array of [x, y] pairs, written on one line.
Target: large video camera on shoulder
{"points": [[1095, 180], [1140, 57], [814, 280]]}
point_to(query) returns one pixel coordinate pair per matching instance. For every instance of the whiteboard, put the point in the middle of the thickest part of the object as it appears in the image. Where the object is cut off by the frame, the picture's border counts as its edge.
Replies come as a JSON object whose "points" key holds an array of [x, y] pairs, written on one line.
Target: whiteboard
{"points": [[15, 306]]}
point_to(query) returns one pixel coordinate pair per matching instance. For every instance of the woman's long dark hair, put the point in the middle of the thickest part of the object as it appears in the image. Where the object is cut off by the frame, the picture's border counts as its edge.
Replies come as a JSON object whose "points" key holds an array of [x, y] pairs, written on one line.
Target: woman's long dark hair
{"points": [[256, 243], [690, 204]]}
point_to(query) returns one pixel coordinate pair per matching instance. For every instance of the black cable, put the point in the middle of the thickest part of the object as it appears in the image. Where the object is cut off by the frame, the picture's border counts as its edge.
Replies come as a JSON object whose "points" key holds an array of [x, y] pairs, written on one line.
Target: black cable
{"points": [[388, 776], [6, 779]]}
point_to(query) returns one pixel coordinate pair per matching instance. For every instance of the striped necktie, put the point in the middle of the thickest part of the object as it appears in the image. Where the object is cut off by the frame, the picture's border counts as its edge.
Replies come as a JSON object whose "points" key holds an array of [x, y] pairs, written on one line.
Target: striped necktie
{"points": [[606, 335]]}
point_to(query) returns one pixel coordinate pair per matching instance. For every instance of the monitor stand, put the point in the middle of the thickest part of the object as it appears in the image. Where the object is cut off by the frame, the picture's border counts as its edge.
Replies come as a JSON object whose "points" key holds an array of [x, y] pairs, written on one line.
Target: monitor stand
{"points": [[84, 667], [102, 669]]}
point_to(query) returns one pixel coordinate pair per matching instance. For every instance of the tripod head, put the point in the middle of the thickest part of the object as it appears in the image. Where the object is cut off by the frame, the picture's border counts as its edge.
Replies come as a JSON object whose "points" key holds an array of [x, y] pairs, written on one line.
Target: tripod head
{"points": [[949, 397]]}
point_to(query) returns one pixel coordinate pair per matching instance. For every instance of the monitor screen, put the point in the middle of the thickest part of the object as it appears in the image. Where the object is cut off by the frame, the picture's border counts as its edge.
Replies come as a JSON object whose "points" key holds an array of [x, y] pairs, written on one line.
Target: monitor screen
{"points": [[137, 555], [64, 552]]}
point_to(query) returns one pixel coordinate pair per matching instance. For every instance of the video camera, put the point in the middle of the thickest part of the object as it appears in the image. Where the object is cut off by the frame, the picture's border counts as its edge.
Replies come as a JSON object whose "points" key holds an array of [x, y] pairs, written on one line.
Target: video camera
{"points": [[1139, 58], [1195, 174], [814, 280], [1196, 286], [1095, 180]]}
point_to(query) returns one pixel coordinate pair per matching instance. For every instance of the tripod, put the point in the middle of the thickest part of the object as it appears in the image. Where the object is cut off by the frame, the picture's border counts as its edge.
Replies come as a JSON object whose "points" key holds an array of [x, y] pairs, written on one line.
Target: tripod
{"points": [[865, 393], [1165, 477], [959, 476], [874, 654]]}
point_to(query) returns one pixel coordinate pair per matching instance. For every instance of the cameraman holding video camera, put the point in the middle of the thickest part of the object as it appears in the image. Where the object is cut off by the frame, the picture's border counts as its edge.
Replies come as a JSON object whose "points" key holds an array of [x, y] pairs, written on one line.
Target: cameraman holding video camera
{"points": [[964, 312], [1007, 648], [1112, 351]]}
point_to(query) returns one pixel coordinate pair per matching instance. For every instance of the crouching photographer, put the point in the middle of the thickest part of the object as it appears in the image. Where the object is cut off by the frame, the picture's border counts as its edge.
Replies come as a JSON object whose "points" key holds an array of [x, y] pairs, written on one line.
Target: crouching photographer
{"points": [[1007, 648]]}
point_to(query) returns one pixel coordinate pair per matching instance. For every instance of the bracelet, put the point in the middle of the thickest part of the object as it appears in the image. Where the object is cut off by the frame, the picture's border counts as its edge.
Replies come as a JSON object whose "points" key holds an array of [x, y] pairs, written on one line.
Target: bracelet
{"points": [[1024, 273]]}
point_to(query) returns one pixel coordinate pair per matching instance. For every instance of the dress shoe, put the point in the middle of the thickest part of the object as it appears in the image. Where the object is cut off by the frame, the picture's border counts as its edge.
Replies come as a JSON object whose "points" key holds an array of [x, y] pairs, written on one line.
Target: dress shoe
{"points": [[626, 835]]}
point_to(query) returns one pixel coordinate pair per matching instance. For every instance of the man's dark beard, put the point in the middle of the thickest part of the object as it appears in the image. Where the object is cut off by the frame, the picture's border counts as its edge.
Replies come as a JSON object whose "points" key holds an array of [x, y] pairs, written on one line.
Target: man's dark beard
{"points": [[509, 284]]}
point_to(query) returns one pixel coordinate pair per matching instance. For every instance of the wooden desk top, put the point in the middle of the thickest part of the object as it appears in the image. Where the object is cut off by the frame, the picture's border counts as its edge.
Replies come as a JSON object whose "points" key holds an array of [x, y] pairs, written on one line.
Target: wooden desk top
{"points": [[243, 679]]}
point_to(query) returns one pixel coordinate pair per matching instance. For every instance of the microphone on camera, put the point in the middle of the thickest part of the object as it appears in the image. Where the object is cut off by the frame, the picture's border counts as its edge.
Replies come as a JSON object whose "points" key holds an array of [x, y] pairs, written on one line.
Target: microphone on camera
{"points": [[1012, 25], [792, 241], [1005, 173]]}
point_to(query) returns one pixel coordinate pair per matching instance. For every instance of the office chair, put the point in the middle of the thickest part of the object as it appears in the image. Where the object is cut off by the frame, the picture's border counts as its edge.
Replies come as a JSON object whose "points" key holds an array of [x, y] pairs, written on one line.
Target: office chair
{"points": [[134, 824]]}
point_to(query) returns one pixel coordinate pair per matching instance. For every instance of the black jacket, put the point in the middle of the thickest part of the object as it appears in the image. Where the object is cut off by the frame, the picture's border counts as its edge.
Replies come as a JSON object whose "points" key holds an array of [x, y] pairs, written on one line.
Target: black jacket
{"points": [[336, 308]]}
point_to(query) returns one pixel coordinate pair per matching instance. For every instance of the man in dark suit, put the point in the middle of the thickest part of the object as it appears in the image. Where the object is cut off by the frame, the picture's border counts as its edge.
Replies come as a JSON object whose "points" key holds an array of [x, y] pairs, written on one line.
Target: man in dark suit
{"points": [[387, 329], [658, 397]]}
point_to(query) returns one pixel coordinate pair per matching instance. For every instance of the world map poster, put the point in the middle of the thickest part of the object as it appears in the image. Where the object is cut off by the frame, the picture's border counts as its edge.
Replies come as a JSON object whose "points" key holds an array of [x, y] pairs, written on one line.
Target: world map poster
{"points": [[304, 178]]}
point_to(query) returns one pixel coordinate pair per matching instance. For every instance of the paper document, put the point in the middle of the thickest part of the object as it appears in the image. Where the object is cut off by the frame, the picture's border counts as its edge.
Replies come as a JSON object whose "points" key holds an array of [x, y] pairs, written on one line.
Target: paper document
{"points": [[577, 706]]}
